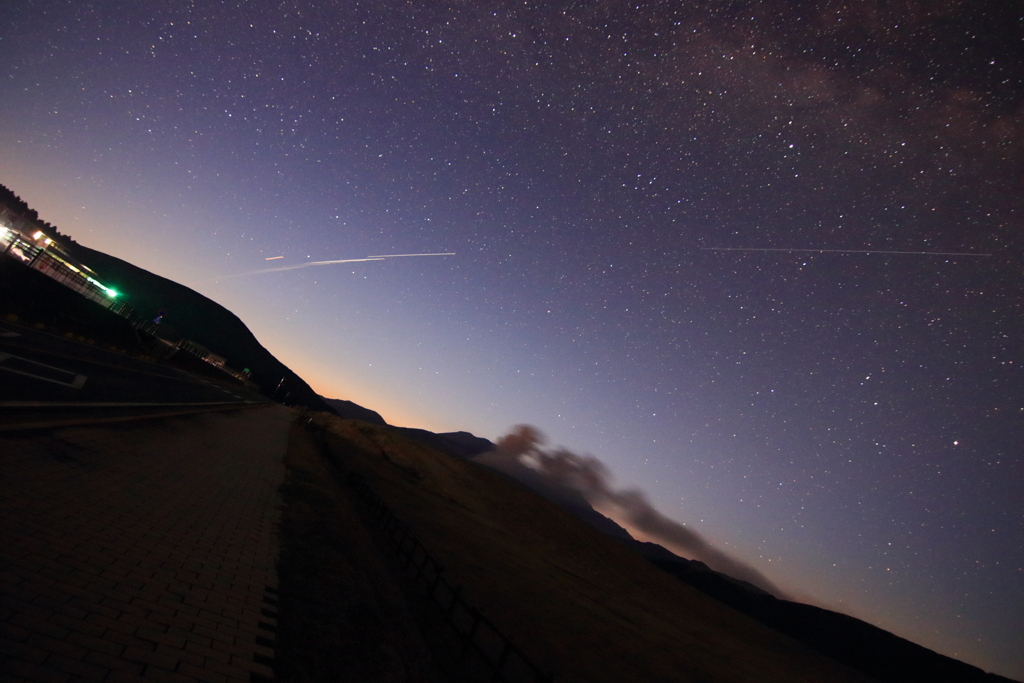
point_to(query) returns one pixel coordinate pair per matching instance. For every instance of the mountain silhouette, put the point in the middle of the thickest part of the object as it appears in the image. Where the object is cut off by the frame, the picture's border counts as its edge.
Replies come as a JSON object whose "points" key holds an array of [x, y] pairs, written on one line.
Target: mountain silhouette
{"points": [[200, 319], [869, 649], [462, 445], [353, 411]]}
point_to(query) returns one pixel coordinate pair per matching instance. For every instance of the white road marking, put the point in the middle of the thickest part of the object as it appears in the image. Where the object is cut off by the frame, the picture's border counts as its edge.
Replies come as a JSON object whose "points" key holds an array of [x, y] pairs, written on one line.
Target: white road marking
{"points": [[76, 381], [110, 404]]}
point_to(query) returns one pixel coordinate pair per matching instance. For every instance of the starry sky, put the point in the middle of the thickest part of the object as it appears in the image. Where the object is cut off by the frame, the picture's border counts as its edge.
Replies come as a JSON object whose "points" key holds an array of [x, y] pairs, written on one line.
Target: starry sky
{"points": [[620, 184]]}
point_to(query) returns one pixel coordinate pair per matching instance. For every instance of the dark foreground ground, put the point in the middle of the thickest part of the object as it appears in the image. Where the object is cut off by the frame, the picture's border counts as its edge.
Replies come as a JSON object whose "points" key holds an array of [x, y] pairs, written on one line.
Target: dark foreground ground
{"points": [[228, 546], [141, 550]]}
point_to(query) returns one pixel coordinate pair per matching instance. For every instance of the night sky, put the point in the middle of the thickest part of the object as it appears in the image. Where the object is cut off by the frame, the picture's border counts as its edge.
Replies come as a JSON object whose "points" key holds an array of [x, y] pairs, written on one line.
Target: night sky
{"points": [[618, 183]]}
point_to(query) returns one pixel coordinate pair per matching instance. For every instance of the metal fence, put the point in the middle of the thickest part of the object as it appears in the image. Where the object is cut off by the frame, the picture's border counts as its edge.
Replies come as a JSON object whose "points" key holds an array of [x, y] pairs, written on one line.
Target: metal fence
{"points": [[506, 662]]}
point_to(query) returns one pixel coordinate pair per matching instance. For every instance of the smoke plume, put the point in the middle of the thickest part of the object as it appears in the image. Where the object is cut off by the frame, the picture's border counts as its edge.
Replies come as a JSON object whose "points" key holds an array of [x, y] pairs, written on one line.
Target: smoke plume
{"points": [[590, 477]]}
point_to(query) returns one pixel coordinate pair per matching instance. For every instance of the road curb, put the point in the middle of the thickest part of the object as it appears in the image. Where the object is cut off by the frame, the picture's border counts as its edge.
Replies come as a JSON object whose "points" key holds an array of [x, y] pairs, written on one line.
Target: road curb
{"points": [[96, 420]]}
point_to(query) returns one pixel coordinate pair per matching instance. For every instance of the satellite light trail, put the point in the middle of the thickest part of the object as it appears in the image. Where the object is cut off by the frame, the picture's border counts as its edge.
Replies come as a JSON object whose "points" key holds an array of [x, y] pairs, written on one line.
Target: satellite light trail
{"points": [[846, 251], [344, 260], [447, 253], [327, 263]]}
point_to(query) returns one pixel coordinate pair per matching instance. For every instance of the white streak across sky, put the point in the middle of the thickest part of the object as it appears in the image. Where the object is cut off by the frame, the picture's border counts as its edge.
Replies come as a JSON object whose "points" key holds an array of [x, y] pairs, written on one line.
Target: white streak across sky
{"points": [[383, 256], [311, 264], [846, 251]]}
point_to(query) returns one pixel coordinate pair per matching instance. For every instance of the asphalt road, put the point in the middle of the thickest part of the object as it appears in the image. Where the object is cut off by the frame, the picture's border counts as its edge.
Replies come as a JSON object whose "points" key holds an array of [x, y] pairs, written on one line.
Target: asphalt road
{"points": [[43, 375]]}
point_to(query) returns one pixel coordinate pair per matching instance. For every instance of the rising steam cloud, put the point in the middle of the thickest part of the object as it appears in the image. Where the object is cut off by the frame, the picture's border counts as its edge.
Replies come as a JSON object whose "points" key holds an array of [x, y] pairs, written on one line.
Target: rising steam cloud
{"points": [[589, 476]]}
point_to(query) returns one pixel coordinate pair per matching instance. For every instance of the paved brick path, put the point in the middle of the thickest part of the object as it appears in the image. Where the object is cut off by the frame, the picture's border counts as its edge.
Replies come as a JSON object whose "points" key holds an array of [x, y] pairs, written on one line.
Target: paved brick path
{"points": [[143, 551]]}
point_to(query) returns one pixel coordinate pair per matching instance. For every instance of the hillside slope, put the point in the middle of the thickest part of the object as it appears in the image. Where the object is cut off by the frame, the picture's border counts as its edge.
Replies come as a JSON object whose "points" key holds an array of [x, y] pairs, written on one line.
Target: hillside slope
{"points": [[190, 315], [856, 643], [577, 602], [203, 320]]}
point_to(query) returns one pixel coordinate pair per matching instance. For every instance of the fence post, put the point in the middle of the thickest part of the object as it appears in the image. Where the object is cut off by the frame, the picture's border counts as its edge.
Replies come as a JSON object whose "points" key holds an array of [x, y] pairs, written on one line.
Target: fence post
{"points": [[472, 632], [501, 662], [437, 579], [412, 552], [456, 595], [423, 565]]}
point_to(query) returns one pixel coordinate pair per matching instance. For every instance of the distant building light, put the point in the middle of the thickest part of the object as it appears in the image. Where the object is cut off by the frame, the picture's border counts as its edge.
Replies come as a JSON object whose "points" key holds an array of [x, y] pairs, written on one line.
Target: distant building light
{"points": [[112, 293], [39, 233]]}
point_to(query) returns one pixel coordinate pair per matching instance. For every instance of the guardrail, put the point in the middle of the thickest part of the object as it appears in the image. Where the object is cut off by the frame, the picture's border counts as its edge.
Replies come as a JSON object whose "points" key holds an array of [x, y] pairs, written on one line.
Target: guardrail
{"points": [[507, 663]]}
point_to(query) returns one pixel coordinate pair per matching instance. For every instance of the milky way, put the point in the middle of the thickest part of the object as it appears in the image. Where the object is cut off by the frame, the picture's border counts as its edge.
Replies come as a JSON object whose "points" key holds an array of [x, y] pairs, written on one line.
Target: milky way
{"points": [[733, 249]]}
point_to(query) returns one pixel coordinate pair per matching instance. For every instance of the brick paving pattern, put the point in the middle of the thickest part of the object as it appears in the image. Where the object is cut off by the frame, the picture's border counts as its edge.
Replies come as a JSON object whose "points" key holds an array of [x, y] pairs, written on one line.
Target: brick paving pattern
{"points": [[143, 551]]}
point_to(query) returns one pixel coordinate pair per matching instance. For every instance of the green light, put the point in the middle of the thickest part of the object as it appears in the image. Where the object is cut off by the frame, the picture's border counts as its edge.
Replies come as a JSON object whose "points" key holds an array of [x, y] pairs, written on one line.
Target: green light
{"points": [[111, 293]]}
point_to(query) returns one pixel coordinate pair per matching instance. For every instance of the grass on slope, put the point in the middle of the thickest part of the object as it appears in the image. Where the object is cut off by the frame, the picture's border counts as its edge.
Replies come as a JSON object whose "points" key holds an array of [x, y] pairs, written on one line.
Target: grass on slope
{"points": [[342, 615]]}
